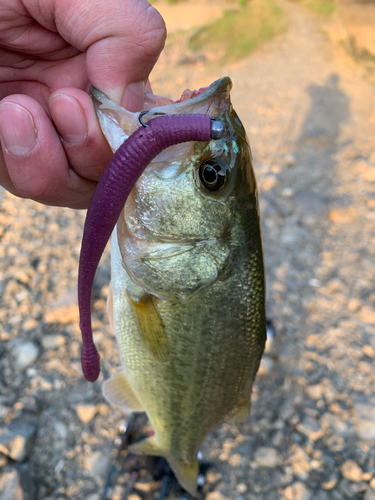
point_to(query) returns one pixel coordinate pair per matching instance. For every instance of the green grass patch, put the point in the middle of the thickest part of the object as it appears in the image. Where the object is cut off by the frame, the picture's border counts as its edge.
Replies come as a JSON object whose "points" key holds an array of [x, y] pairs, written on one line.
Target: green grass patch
{"points": [[239, 32], [322, 7]]}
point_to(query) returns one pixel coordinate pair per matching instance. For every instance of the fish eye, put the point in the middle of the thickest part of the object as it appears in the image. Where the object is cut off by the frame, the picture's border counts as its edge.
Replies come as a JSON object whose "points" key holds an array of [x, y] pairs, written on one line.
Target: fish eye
{"points": [[214, 174]]}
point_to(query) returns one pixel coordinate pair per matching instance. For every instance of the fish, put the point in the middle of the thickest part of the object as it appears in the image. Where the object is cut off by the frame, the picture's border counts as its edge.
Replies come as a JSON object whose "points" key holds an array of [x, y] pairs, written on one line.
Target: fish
{"points": [[187, 292]]}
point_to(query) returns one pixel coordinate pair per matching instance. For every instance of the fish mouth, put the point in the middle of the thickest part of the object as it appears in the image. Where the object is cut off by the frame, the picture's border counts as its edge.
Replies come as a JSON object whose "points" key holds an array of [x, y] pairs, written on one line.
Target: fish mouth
{"points": [[118, 124]]}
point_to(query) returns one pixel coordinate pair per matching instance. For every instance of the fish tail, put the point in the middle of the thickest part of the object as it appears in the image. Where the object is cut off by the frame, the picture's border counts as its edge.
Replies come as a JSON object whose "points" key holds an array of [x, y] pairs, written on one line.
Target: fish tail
{"points": [[185, 472]]}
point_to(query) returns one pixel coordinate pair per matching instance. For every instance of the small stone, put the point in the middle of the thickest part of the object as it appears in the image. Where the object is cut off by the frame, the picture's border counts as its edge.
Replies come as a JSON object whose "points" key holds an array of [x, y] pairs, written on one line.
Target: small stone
{"points": [[25, 354], [61, 429], [351, 471], [63, 315], [314, 391], [213, 476], [354, 305], [310, 427], [268, 182], [297, 491], [367, 315], [16, 485], [370, 494], [330, 483], [300, 462], [364, 417], [369, 351], [53, 341], [367, 476], [266, 365], [30, 324], [86, 412], [134, 496], [216, 495], [343, 215], [290, 160], [267, 457], [372, 483], [241, 488], [366, 170], [15, 440], [97, 464]]}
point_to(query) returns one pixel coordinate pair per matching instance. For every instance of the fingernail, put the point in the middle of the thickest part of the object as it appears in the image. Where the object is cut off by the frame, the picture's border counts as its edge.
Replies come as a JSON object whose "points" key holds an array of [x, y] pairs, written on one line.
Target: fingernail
{"points": [[17, 129], [69, 118], [134, 96]]}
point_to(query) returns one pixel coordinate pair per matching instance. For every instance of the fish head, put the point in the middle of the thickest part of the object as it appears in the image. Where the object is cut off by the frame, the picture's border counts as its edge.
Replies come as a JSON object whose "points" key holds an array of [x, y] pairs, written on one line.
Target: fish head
{"points": [[175, 232]]}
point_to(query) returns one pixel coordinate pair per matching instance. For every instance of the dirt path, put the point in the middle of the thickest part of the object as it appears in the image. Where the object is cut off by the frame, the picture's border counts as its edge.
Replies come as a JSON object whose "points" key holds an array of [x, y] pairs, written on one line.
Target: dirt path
{"points": [[310, 118]]}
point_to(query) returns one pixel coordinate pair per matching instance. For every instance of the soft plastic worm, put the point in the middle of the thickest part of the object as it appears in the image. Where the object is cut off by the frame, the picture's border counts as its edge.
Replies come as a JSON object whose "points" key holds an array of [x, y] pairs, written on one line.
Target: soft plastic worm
{"points": [[109, 197]]}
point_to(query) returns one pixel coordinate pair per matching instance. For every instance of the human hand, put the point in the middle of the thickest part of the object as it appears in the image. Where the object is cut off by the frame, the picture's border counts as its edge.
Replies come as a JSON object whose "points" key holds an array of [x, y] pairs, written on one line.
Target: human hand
{"points": [[50, 52]]}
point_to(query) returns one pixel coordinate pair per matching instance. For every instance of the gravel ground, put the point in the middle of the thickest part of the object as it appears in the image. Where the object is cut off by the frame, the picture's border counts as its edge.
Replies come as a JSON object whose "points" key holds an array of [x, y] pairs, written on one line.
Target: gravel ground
{"points": [[311, 122]]}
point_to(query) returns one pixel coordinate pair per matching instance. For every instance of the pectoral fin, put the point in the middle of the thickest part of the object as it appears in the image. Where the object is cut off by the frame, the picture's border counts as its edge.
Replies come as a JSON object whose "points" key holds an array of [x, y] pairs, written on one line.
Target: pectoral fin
{"points": [[150, 326], [118, 391]]}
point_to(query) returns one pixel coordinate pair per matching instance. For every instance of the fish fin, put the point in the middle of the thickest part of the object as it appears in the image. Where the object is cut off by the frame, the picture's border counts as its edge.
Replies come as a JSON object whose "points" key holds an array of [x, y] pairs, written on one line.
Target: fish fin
{"points": [[241, 416], [151, 327], [149, 446], [118, 391], [186, 474], [110, 307]]}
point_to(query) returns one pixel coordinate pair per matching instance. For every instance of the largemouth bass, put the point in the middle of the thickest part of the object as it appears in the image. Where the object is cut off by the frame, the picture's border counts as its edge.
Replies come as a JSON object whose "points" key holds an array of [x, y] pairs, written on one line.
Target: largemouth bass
{"points": [[187, 296]]}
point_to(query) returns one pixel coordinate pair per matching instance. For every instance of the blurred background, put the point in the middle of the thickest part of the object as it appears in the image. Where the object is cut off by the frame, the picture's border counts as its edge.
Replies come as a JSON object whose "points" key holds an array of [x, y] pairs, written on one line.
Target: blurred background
{"points": [[304, 87]]}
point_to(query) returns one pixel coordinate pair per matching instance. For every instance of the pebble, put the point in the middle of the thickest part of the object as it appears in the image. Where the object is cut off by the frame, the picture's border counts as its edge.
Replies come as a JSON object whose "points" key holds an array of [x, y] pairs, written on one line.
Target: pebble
{"points": [[97, 464], [86, 412], [300, 462], [370, 494], [16, 485], [63, 315], [216, 495], [25, 354], [241, 488], [266, 365], [15, 440], [52, 341], [314, 391], [310, 427], [297, 491], [351, 471], [267, 457], [330, 483], [364, 417]]}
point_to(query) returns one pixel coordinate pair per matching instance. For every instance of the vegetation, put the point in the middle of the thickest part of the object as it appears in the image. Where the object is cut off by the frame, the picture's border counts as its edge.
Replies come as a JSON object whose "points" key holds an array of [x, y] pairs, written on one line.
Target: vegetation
{"points": [[242, 30], [323, 7]]}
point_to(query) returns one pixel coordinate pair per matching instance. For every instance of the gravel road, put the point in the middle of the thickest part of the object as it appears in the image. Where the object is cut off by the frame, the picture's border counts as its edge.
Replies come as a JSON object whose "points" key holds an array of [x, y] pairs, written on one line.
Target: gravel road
{"points": [[310, 117]]}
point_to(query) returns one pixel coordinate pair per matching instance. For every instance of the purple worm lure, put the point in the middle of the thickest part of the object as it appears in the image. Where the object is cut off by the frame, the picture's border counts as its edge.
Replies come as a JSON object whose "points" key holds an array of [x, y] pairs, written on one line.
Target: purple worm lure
{"points": [[114, 186]]}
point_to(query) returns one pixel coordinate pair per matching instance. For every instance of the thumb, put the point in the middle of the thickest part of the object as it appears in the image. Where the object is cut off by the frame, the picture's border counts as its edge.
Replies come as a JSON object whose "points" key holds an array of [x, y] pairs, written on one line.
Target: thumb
{"points": [[122, 40]]}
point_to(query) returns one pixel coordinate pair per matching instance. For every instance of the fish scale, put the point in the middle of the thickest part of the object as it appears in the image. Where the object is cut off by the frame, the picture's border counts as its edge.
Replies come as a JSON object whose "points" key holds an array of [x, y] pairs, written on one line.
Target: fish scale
{"points": [[187, 268]]}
